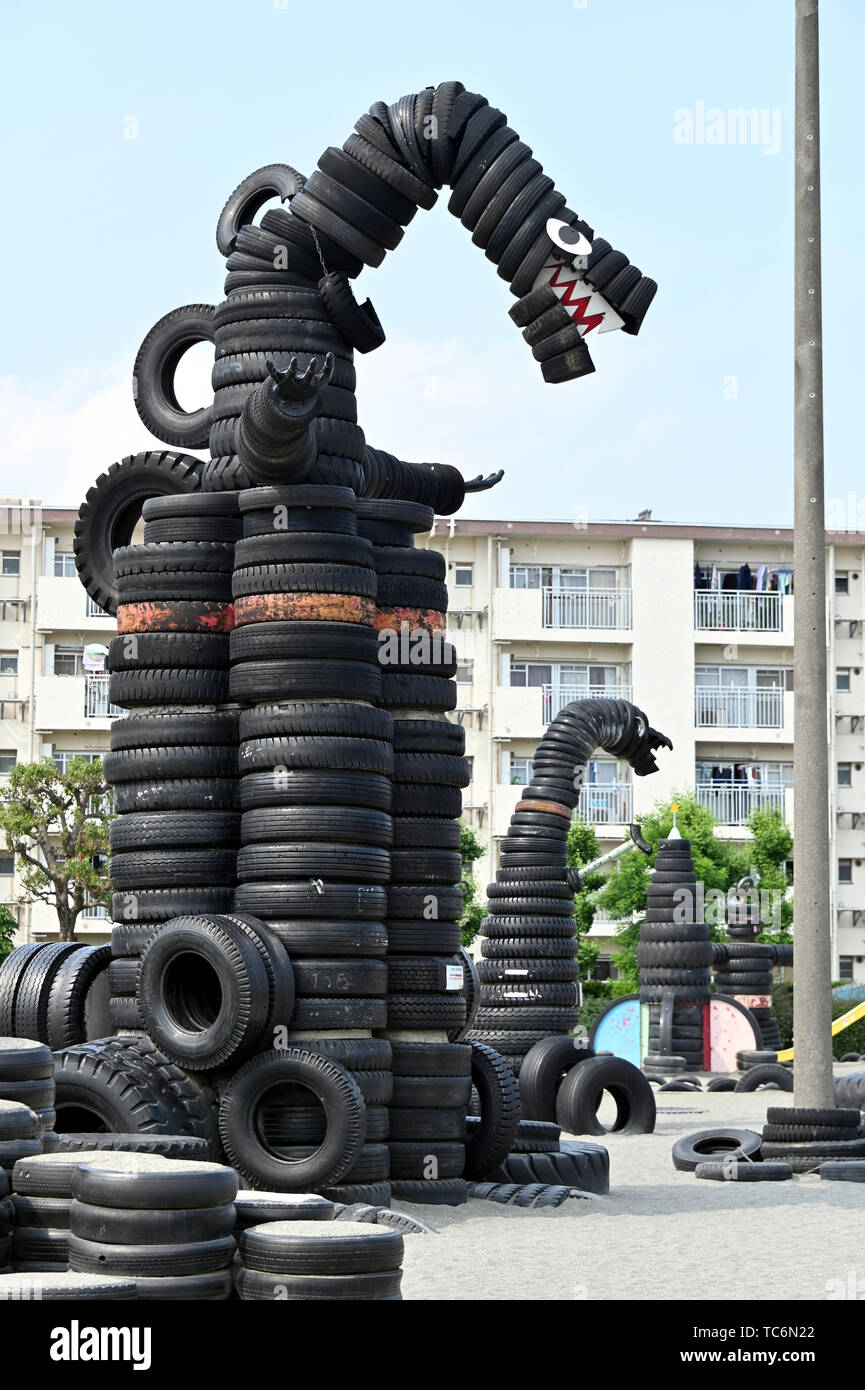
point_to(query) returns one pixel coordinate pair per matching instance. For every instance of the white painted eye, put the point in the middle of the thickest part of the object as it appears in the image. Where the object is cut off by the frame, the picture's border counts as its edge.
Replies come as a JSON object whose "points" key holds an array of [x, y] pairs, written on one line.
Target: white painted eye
{"points": [[568, 238]]}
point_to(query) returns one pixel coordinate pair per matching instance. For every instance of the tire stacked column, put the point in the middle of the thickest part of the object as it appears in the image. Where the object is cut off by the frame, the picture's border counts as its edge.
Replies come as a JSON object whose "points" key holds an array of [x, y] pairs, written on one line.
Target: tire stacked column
{"points": [[315, 765], [745, 969], [172, 762], [674, 955], [426, 988]]}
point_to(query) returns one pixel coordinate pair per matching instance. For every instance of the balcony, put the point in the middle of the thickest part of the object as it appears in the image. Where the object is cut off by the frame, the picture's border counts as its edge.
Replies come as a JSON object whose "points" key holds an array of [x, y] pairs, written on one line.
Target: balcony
{"points": [[736, 610], [607, 609], [717, 708], [555, 697], [606, 803], [96, 702], [73, 702], [731, 804], [63, 605]]}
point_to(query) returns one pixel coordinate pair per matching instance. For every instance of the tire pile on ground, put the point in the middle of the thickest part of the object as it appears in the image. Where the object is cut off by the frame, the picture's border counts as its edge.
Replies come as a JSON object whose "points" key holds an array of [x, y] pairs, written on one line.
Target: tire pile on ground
{"points": [[562, 1080], [529, 974], [300, 1260], [808, 1138], [674, 956]]}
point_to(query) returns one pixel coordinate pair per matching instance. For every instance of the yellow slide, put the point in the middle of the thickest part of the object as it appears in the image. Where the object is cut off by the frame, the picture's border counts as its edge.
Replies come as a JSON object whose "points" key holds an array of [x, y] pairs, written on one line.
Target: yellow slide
{"points": [[852, 1016]]}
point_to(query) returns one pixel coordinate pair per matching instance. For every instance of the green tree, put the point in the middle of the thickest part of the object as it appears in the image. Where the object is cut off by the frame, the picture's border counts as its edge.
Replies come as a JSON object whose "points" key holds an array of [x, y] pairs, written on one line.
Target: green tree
{"points": [[582, 849], [56, 825], [718, 864], [474, 912], [8, 928]]}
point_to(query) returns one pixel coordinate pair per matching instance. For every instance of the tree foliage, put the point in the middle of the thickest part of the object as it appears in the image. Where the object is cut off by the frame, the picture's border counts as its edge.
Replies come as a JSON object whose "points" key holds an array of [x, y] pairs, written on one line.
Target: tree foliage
{"points": [[56, 824], [473, 911], [719, 864], [8, 928]]}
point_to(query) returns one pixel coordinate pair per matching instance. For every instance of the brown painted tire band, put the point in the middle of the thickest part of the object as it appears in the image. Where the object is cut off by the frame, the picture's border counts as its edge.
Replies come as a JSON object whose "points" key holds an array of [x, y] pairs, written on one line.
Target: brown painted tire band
{"points": [[428, 619], [552, 808], [179, 615], [300, 607]]}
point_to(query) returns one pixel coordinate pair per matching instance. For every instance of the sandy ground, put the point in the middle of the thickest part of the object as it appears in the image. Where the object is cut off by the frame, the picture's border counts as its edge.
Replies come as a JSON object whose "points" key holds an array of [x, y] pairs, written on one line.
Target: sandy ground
{"points": [[660, 1234]]}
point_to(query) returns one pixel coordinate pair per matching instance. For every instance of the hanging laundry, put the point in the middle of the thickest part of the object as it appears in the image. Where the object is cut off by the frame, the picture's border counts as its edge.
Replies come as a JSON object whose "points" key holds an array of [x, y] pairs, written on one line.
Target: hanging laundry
{"points": [[743, 579]]}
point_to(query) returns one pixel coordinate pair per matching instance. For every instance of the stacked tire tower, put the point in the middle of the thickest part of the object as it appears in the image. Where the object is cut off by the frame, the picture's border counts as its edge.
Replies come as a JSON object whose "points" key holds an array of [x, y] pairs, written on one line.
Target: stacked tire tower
{"points": [[529, 973], [744, 971], [426, 1002], [674, 956], [315, 764], [172, 760], [339, 822]]}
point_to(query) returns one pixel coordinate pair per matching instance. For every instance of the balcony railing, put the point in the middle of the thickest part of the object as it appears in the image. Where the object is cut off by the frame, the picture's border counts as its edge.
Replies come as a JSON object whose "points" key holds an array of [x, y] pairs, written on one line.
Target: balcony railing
{"points": [[732, 610], [732, 805], [598, 608], [94, 610], [606, 804], [96, 702], [555, 697], [739, 709]]}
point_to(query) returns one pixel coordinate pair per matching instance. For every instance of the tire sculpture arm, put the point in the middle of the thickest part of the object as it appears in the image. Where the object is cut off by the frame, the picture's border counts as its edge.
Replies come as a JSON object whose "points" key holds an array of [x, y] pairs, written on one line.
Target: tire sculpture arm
{"points": [[275, 435], [559, 764]]}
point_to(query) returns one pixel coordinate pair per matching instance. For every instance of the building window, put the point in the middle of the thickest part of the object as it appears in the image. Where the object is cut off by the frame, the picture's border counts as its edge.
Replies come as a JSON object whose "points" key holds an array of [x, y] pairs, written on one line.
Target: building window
{"points": [[64, 564], [845, 968], [845, 870], [8, 759], [463, 576], [845, 774], [7, 865], [11, 563], [62, 758], [842, 583], [68, 661], [8, 663], [464, 671], [520, 772], [470, 763], [842, 679]]}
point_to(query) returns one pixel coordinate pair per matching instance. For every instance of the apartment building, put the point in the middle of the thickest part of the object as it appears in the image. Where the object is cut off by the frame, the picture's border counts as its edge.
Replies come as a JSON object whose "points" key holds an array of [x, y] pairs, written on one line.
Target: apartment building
{"points": [[51, 705], [695, 625]]}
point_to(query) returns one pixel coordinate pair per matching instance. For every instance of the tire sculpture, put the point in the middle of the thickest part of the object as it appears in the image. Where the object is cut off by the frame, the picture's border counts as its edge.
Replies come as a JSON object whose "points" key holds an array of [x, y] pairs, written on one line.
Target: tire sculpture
{"points": [[674, 956], [743, 966], [285, 859], [531, 903]]}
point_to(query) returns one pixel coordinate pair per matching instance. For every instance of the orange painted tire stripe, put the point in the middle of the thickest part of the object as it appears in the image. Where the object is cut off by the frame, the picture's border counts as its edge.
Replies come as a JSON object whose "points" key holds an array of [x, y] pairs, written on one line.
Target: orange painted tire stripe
{"points": [[179, 615], [552, 808], [300, 607], [428, 619]]}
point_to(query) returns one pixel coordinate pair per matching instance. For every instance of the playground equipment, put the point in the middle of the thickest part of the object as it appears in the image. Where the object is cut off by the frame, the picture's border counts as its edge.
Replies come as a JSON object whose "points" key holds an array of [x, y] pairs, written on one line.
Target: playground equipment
{"points": [[285, 857]]}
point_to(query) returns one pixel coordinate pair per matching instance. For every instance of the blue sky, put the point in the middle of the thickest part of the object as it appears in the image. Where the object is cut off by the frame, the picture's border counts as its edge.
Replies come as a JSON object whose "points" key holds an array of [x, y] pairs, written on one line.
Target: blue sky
{"points": [[103, 234]]}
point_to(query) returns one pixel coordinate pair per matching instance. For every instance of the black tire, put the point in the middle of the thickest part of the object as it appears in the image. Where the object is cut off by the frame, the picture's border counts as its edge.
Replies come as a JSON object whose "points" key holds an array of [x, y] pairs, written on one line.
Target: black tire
{"points": [[150, 1226], [356, 863], [153, 376], [708, 1143], [846, 1117], [426, 1011], [580, 1094], [334, 753], [544, 1068], [110, 511], [169, 764], [12, 973], [294, 679], [185, 1146], [185, 868], [23, 1060], [767, 1073], [172, 650], [499, 1099], [174, 1261], [31, 997], [300, 1247], [202, 1017], [414, 1159], [101, 1090], [337, 1093], [179, 731], [432, 1092], [441, 1192], [72, 1003]]}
